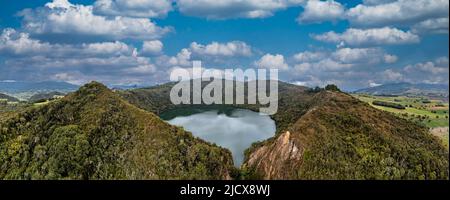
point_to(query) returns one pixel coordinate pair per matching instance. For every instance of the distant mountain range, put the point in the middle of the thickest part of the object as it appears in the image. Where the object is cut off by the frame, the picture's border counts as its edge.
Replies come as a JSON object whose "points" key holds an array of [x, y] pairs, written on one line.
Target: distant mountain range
{"points": [[407, 89], [19, 86], [24, 90], [125, 87]]}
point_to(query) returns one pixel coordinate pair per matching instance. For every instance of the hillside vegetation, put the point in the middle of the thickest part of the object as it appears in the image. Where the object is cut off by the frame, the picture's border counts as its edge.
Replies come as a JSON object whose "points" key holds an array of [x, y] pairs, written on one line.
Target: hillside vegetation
{"points": [[94, 134], [327, 134], [343, 138]]}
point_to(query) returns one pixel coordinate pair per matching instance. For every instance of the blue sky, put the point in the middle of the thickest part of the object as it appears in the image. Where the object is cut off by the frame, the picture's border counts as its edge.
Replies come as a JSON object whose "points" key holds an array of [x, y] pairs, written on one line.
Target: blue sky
{"points": [[353, 44]]}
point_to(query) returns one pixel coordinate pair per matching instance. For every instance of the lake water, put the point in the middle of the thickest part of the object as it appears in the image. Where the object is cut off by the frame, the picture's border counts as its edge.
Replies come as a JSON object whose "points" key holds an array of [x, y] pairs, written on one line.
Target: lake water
{"points": [[234, 129]]}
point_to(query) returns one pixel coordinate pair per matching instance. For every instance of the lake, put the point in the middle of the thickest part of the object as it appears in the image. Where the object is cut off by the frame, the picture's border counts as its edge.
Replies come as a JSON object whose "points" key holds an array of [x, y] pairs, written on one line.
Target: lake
{"points": [[231, 128]]}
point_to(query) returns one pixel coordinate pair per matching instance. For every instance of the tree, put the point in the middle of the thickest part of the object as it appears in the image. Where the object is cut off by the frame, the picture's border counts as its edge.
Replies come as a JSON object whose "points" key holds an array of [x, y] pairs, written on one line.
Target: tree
{"points": [[332, 87], [68, 150], [3, 102], [315, 90]]}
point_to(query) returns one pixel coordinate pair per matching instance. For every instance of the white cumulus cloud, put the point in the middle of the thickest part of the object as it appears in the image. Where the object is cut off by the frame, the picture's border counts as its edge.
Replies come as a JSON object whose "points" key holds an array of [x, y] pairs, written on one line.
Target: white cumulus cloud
{"points": [[439, 66], [229, 49], [399, 12], [270, 61], [225, 9], [62, 17], [343, 61], [17, 43], [152, 47], [369, 37], [437, 25], [308, 56], [133, 8], [319, 11], [362, 55]]}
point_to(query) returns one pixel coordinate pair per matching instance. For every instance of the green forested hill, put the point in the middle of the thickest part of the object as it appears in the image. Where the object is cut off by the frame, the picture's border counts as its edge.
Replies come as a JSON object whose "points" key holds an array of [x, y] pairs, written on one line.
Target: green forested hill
{"points": [[340, 137], [94, 134]]}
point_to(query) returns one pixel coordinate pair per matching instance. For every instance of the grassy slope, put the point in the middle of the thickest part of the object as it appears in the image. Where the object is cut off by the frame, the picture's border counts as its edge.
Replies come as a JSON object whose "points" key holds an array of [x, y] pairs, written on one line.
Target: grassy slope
{"points": [[94, 134]]}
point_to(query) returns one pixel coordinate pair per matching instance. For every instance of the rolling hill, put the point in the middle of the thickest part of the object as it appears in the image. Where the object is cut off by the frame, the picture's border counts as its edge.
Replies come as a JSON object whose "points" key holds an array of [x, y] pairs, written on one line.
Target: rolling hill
{"points": [[95, 134]]}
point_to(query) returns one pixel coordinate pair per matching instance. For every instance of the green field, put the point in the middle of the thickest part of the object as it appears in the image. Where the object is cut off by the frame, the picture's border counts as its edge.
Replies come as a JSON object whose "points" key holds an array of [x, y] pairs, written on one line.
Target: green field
{"points": [[431, 113]]}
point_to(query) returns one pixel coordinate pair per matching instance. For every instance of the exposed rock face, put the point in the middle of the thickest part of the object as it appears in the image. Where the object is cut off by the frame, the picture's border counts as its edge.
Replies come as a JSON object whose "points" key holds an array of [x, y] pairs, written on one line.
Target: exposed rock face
{"points": [[276, 155]]}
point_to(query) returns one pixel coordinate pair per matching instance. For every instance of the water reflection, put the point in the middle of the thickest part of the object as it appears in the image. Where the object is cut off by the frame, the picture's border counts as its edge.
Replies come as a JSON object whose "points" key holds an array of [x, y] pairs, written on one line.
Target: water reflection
{"points": [[235, 130]]}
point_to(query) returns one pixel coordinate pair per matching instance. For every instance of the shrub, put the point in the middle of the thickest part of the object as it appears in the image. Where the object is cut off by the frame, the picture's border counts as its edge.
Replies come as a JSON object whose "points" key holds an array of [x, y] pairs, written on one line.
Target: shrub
{"points": [[332, 87], [388, 104]]}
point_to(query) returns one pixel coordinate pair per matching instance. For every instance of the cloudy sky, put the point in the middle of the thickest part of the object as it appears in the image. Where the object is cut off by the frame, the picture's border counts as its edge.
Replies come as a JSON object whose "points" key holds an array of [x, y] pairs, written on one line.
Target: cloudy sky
{"points": [[354, 44]]}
